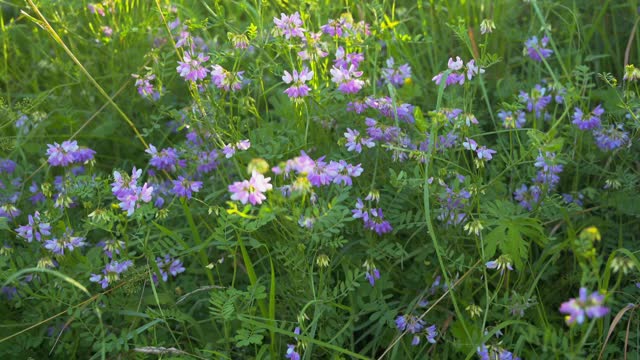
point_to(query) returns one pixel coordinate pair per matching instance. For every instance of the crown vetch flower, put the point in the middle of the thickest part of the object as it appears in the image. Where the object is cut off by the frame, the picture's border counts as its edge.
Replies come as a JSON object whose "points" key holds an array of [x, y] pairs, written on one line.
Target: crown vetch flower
{"points": [[35, 229], [537, 100], [511, 120], [344, 60], [168, 266], [372, 275], [347, 79], [145, 87], [251, 190], [527, 197], [355, 141], [67, 241], [289, 25], [537, 49], [183, 187], [396, 76], [192, 68], [588, 121], [611, 138], [590, 306], [167, 159], [226, 80], [127, 191], [62, 154], [298, 89], [110, 273]]}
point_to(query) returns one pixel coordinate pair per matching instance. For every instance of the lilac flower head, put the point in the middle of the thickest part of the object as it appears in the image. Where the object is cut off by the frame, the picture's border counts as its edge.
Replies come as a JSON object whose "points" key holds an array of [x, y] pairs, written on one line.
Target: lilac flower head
{"points": [[35, 229], [336, 27], [372, 276], [168, 266], [589, 121], [184, 188], [192, 68], [537, 50], [110, 273], [62, 155], [145, 86], [590, 306], [549, 169], [537, 100], [66, 242], [251, 190], [7, 166], [611, 138], [127, 191], [292, 354], [344, 60], [511, 120], [289, 26], [347, 79], [396, 76], [355, 141], [313, 47], [527, 197], [299, 88], [226, 80], [167, 159]]}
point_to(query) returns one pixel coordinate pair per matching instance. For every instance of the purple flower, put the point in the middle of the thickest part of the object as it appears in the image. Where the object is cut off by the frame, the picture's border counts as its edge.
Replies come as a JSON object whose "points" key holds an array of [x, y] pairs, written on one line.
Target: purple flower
{"points": [[168, 266], [503, 262], [167, 159], [527, 197], [347, 79], [191, 68], [110, 273], [410, 323], [145, 87], [549, 170], [183, 187], [377, 222], [611, 138], [314, 48], [37, 196], [536, 101], [126, 190], [355, 142], [341, 172], [67, 241], [111, 247], [35, 229], [537, 49], [484, 153], [386, 107], [298, 89], [292, 354], [591, 306], [321, 174], [7, 166], [372, 276], [226, 80], [511, 121], [336, 27], [289, 26], [207, 161], [589, 121], [251, 190], [396, 76], [62, 155], [344, 60]]}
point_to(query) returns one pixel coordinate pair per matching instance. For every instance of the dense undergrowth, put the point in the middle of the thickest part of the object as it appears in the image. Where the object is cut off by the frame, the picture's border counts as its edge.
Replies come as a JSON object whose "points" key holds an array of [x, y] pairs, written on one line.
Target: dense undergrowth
{"points": [[319, 179]]}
